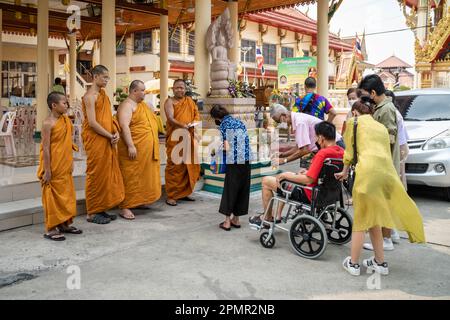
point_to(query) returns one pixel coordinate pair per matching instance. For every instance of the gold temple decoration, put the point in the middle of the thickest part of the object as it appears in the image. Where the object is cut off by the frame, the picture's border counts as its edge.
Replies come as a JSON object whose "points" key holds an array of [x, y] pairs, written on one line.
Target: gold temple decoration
{"points": [[435, 42]]}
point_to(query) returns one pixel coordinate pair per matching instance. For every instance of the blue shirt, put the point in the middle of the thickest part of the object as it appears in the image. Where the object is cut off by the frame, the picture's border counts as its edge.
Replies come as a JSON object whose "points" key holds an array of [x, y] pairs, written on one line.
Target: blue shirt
{"points": [[313, 104], [234, 131]]}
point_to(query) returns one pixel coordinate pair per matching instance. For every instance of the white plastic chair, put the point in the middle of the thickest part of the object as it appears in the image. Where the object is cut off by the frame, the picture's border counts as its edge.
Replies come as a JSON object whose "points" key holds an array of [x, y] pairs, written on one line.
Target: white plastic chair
{"points": [[7, 135]]}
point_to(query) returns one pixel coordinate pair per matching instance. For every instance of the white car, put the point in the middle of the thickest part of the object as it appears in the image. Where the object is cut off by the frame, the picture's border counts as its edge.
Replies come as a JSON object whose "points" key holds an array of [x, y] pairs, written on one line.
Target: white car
{"points": [[427, 119]]}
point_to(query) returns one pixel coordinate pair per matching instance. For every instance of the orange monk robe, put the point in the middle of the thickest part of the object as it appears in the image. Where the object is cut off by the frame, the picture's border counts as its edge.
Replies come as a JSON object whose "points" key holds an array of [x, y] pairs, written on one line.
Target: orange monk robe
{"points": [[181, 178], [58, 196], [104, 184], [141, 176]]}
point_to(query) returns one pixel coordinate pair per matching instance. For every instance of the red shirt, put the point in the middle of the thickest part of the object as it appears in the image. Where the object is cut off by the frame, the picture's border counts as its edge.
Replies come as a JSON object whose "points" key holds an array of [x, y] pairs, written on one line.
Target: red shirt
{"points": [[335, 152]]}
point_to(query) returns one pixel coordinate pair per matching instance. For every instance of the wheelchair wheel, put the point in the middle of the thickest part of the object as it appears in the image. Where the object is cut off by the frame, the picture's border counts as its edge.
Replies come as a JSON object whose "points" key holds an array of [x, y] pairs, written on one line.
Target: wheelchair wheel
{"points": [[341, 232], [267, 243], [308, 237]]}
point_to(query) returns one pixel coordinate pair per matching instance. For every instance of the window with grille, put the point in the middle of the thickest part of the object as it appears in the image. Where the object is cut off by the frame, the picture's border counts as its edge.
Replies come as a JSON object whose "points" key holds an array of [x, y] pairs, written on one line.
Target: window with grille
{"points": [[270, 53], [191, 37], [175, 40], [19, 79], [251, 55], [287, 52], [143, 42], [121, 48]]}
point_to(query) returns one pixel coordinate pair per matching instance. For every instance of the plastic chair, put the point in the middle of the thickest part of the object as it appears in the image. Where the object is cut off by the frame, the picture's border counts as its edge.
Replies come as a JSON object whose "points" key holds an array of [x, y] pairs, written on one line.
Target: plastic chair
{"points": [[8, 119]]}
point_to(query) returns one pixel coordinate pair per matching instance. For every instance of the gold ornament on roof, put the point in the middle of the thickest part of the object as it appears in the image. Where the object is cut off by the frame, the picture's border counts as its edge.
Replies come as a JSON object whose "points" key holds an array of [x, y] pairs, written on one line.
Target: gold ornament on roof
{"points": [[435, 41]]}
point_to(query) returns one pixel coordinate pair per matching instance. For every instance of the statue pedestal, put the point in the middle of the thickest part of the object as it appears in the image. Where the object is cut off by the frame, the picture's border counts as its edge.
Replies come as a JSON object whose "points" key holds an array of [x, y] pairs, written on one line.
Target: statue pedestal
{"points": [[243, 109]]}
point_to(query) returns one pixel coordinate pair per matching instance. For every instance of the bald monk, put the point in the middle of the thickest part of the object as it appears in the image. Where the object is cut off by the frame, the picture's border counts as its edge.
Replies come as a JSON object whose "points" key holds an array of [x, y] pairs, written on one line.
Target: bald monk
{"points": [[181, 176], [55, 170], [138, 151], [104, 184]]}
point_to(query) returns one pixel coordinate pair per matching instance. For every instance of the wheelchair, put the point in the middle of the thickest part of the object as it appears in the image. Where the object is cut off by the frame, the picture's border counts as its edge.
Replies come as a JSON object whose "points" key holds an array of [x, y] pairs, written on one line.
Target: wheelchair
{"points": [[313, 224]]}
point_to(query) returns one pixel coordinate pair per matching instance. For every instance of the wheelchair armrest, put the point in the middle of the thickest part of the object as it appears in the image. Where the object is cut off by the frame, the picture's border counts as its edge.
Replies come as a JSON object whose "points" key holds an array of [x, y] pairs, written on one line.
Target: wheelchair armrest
{"points": [[285, 182]]}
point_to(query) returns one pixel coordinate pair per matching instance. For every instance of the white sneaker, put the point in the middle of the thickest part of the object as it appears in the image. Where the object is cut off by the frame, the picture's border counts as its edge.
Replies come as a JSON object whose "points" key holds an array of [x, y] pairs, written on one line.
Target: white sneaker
{"points": [[353, 269], [395, 236], [387, 245], [371, 264]]}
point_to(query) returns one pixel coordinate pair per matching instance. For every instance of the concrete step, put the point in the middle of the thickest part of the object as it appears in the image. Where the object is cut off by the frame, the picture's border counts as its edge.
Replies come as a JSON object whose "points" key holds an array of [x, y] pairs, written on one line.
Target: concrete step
{"points": [[30, 189], [20, 213]]}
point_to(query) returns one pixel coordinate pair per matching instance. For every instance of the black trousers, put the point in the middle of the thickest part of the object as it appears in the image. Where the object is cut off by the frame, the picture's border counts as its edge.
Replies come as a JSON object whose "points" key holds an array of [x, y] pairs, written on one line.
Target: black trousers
{"points": [[236, 190]]}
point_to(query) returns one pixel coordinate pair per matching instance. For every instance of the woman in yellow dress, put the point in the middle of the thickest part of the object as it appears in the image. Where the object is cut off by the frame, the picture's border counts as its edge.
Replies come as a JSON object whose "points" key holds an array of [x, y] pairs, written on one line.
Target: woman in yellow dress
{"points": [[379, 198]]}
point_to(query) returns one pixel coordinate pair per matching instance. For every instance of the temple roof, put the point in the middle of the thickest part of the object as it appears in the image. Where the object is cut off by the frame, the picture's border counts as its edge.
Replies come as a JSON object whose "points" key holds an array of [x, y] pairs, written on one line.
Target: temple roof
{"points": [[296, 21], [392, 62], [131, 15]]}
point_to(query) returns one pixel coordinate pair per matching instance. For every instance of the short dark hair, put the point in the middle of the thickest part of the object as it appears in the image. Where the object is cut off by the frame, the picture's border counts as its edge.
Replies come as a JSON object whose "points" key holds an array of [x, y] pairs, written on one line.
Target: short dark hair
{"points": [[58, 80], [364, 105], [326, 129], [98, 70], [372, 82], [218, 111], [391, 94], [179, 80], [134, 84], [310, 83], [350, 91], [54, 97]]}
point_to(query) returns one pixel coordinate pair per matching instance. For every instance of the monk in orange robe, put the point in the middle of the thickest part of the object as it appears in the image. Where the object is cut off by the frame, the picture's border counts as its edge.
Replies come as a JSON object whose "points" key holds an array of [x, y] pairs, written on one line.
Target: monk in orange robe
{"points": [[104, 184], [138, 151], [182, 168], [55, 170]]}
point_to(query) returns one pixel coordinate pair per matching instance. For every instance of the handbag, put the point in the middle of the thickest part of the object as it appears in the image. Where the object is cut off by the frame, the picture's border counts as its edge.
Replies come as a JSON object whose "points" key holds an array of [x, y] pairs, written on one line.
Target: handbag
{"points": [[352, 173], [218, 162]]}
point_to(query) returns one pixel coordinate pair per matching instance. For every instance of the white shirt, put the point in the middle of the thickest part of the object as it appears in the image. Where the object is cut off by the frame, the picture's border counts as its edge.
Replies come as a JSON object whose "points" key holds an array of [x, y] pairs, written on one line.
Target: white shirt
{"points": [[303, 126]]}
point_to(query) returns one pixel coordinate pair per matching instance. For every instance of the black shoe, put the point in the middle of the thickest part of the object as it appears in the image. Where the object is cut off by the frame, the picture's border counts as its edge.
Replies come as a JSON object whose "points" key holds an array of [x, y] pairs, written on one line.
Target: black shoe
{"points": [[112, 217]]}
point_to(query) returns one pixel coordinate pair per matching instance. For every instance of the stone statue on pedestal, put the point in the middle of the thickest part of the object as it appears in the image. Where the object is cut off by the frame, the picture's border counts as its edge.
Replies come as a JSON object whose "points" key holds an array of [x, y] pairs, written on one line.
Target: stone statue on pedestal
{"points": [[219, 39]]}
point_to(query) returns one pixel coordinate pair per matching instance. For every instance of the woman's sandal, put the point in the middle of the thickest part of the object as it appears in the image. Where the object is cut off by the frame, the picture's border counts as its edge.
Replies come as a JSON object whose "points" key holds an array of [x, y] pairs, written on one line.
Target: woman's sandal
{"points": [[71, 230], [99, 219], [237, 226], [221, 226], [55, 236]]}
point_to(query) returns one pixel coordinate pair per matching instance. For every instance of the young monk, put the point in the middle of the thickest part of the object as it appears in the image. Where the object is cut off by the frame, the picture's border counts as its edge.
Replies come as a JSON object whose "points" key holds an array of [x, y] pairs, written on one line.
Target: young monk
{"points": [[138, 152], [55, 170], [104, 184]]}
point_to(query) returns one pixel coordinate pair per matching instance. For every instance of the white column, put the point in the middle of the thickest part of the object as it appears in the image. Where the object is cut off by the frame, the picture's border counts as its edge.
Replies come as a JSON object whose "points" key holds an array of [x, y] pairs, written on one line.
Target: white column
{"points": [[202, 65], [422, 21], [108, 46], [73, 66], [42, 65], [164, 61], [1, 53], [233, 53], [322, 47], [129, 53]]}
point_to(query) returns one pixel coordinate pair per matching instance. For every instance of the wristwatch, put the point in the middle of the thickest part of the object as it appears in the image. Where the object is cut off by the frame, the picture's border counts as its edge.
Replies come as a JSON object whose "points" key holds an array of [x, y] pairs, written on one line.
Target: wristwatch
{"points": [[285, 160]]}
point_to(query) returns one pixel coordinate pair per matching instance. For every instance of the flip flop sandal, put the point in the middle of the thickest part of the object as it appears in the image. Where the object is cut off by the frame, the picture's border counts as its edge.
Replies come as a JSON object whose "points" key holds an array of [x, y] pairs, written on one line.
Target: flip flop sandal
{"points": [[55, 237], [110, 216], [171, 204], [221, 226], [237, 226], [187, 199], [99, 219], [71, 230], [126, 218]]}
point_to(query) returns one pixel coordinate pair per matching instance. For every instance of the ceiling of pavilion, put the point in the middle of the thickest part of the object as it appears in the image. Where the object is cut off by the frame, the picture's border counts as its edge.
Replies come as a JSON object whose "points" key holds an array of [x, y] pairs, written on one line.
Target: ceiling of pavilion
{"points": [[127, 21]]}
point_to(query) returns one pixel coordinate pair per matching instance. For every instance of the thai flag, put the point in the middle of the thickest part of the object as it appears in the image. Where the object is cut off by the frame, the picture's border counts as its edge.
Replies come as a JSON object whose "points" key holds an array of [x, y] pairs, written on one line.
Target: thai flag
{"points": [[260, 61], [358, 48]]}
